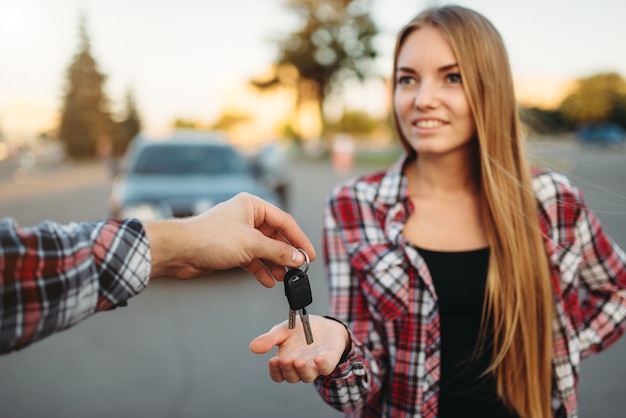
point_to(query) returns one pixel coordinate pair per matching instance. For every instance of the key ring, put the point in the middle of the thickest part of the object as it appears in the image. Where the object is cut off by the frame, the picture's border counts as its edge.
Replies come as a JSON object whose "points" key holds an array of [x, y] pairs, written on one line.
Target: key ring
{"points": [[307, 260]]}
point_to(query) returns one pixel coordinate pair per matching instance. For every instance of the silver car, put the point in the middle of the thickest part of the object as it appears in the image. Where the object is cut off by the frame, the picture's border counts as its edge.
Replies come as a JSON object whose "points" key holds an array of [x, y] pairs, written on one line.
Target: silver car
{"points": [[181, 176]]}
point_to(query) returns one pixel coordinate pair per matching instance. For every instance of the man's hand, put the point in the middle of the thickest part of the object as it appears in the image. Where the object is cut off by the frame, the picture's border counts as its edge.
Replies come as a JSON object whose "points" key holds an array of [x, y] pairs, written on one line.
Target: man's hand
{"points": [[244, 231]]}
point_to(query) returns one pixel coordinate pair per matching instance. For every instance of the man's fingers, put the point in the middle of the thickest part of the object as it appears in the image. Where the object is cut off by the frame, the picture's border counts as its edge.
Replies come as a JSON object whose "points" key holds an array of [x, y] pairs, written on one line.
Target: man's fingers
{"points": [[262, 272], [281, 221], [280, 253]]}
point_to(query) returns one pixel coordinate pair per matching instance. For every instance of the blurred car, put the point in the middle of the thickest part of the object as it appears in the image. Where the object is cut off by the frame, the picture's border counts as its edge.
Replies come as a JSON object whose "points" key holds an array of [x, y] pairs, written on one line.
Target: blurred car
{"points": [[181, 176], [271, 164], [602, 133]]}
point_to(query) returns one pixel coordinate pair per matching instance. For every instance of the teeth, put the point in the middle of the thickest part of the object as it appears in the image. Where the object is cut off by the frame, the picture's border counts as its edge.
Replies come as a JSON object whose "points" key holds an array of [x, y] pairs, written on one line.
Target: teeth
{"points": [[428, 124]]}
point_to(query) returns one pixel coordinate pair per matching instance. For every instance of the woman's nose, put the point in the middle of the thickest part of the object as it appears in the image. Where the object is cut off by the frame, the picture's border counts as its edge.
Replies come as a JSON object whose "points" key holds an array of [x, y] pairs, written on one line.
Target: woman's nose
{"points": [[425, 96]]}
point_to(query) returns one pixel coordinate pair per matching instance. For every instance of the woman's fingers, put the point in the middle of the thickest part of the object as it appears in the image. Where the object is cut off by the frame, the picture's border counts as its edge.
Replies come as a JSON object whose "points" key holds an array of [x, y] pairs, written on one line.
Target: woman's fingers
{"points": [[298, 361], [285, 368]]}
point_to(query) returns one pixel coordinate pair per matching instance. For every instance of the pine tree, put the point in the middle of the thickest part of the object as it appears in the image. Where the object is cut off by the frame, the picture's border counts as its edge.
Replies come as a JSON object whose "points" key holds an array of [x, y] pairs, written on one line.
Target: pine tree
{"points": [[86, 123]]}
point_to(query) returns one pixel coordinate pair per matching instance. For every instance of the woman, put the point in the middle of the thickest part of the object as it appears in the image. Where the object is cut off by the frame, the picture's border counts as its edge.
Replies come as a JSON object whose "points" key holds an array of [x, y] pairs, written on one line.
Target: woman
{"points": [[457, 271]]}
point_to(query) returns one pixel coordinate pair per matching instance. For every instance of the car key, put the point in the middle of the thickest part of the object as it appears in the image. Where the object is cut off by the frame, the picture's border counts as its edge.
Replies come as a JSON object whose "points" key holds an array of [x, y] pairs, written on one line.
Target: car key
{"points": [[298, 292], [292, 313]]}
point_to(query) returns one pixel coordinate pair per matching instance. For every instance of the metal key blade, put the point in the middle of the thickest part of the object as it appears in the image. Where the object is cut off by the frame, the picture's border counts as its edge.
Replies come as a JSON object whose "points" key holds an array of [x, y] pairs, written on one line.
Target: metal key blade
{"points": [[308, 334], [292, 319]]}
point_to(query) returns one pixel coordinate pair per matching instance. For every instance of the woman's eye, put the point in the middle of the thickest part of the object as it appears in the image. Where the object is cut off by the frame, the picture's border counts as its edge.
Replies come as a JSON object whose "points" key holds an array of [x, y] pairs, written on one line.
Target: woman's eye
{"points": [[453, 78], [405, 80]]}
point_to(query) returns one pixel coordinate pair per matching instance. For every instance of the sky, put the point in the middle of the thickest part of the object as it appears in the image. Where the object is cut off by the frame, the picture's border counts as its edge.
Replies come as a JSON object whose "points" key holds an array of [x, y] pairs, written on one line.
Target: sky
{"points": [[180, 57]]}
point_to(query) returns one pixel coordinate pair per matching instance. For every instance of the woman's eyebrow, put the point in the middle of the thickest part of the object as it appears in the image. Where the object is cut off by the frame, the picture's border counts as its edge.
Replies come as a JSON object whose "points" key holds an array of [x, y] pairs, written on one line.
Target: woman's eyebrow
{"points": [[441, 69], [448, 67], [406, 70]]}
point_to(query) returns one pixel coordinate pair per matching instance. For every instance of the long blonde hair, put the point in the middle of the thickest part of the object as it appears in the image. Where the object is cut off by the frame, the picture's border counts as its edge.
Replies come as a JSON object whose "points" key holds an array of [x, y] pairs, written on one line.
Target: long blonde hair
{"points": [[519, 296]]}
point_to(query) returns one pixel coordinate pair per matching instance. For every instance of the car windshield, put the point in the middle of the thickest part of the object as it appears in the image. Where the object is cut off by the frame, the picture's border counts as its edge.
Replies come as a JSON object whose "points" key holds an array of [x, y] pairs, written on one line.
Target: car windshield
{"points": [[189, 160]]}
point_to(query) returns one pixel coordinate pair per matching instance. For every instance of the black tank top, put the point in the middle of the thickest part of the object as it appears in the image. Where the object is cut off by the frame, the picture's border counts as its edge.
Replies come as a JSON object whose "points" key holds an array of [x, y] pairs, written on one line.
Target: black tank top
{"points": [[459, 278]]}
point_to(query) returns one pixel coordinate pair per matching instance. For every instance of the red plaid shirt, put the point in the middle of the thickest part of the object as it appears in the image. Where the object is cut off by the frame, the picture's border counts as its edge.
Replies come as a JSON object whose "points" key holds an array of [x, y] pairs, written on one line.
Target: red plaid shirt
{"points": [[53, 276], [381, 288]]}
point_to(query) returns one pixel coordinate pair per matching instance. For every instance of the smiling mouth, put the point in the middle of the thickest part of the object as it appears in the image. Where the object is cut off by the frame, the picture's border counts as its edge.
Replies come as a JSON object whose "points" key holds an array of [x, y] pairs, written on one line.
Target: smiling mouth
{"points": [[428, 124]]}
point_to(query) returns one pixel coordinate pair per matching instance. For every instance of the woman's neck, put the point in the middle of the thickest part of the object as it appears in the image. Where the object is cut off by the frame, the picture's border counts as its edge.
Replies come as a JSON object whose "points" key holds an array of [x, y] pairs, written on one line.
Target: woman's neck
{"points": [[442, 177]]}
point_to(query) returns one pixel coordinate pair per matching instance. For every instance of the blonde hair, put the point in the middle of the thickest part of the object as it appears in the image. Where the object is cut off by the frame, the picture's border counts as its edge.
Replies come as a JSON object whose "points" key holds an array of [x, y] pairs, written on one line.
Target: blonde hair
{"points": [[519, 296]]}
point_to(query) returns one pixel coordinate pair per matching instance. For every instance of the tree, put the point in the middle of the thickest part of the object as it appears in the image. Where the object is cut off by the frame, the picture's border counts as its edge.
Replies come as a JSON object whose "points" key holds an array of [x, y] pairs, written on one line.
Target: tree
{"points": [[86, 123], [182, 123], [600, 97], [355, 122], [334, 41], [543, 121], [228, 119], [128, 127]]}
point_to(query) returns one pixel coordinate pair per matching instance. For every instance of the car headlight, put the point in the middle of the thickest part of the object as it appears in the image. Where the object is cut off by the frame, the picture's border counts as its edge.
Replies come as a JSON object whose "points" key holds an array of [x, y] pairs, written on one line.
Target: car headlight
{"points": [[145, 212]]}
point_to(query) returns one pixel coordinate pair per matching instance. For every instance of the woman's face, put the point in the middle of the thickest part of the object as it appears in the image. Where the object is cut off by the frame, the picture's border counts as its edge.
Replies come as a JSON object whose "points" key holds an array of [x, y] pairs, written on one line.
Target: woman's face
{"points": [[430, 103]]}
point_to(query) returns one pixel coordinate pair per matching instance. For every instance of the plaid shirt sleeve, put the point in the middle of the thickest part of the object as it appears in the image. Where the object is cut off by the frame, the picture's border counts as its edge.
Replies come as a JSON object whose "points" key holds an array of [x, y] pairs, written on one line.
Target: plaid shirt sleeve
{"points": [[591, 267], [589, 278], [53, 276], [603, 277], [356, 383]]}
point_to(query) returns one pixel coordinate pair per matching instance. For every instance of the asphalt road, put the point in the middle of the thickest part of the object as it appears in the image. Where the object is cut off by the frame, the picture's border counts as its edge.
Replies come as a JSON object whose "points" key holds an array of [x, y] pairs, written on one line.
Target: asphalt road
{"points": [[180, 349]]}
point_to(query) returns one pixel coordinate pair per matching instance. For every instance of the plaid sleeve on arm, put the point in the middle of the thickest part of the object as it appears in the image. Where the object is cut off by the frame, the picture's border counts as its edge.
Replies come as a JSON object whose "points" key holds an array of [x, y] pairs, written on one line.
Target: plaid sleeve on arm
{"points": [[603, 275], [357, 380], [53, 276]]}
